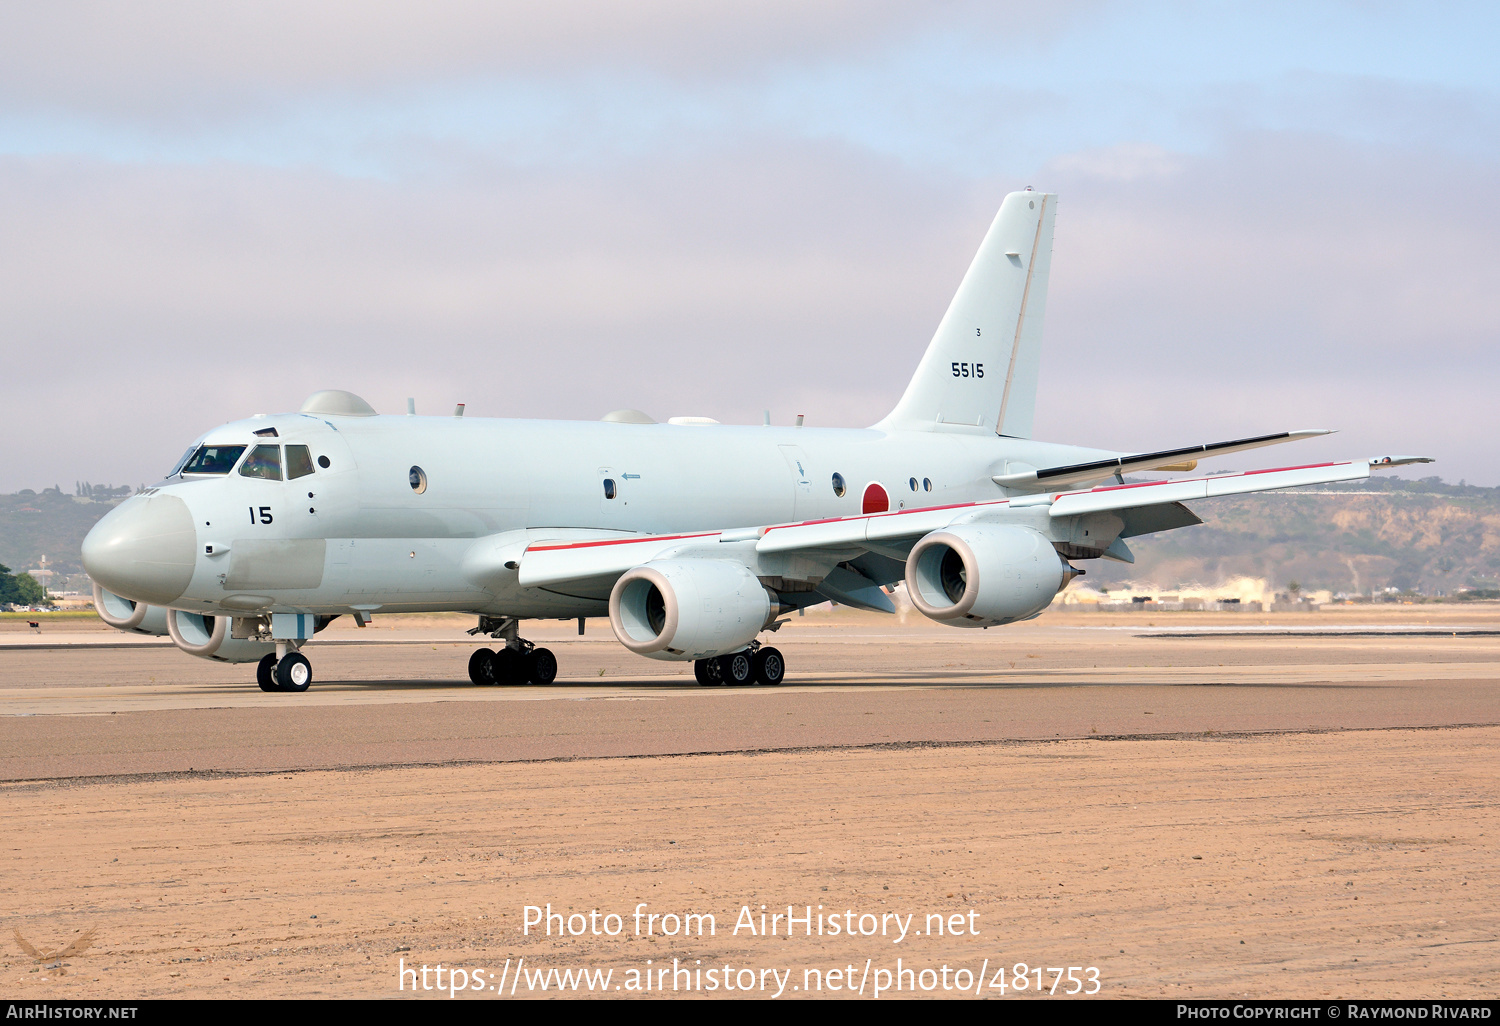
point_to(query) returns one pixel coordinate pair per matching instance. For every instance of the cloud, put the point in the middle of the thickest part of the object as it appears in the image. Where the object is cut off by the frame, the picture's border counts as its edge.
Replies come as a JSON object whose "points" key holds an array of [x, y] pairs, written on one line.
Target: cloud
{"points": [[704, 209], [170, 299], [1125, 162], [146, 59], [1288, 281]]}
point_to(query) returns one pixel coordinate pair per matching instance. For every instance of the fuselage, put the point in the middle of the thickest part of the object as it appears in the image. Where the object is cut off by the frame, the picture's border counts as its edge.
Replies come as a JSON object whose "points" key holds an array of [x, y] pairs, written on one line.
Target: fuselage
{"points": [[390, 513]]}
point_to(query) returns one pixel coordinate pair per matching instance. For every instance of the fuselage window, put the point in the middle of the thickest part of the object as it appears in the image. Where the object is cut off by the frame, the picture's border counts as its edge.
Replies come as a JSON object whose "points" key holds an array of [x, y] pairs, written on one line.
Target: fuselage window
{"points": [[926, 484], [913, 483], [264, 462], [609, 488], [418, 479], [298, 462], [214, 459], [323, 462], [839, 487]]}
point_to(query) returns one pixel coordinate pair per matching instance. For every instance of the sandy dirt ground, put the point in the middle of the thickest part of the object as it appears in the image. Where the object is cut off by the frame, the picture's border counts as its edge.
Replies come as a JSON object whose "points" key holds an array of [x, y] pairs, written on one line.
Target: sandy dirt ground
{"points": [[1279, 807]]}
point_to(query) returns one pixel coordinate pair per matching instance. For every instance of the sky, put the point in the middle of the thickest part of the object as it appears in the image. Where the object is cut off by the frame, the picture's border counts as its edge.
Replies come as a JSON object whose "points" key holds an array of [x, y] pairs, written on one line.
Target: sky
{"points": [[1271, 216]]}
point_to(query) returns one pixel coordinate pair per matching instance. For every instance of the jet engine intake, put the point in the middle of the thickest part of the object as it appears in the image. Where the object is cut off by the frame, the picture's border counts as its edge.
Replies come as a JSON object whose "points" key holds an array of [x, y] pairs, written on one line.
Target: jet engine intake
{"points": [[208, 637], [125, 614], [984, 575], [690, 608]]}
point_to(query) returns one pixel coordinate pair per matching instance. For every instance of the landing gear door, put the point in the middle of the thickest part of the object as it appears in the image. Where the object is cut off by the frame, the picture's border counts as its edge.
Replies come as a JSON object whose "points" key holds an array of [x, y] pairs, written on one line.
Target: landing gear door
{"points": [[802, 487]]}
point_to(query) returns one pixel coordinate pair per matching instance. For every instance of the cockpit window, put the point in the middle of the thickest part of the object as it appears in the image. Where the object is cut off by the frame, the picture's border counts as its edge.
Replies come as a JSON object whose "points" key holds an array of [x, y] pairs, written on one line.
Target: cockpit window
{"points": [[263, 461], [214, 459], [298, 462], [177, 467]]}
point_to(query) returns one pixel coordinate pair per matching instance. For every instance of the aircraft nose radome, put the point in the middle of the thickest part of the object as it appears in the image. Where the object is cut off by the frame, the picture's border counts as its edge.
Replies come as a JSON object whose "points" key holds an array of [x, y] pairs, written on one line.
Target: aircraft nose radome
{"points": [[144, 549]]}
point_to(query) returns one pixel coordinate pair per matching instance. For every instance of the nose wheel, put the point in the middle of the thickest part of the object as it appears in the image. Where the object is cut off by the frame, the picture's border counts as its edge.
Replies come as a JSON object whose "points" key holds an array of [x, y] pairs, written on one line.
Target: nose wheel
{"points": [[292, 672], [265, 673]]}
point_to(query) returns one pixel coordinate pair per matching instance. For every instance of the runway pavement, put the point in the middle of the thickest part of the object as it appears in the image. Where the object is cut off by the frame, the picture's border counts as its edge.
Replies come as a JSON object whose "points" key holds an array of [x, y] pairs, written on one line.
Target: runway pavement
{"points": [[72, 704], [1195, 806]]}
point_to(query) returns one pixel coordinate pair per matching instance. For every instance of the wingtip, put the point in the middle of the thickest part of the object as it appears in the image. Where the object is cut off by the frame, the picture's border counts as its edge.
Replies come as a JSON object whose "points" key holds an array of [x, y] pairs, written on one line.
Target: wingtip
{"points": [[1378, 462], [1312, 432]]}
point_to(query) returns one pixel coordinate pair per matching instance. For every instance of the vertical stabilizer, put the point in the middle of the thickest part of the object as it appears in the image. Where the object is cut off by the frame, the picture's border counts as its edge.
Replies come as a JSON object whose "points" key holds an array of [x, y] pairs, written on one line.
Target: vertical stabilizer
{"points": [[980, 370]]}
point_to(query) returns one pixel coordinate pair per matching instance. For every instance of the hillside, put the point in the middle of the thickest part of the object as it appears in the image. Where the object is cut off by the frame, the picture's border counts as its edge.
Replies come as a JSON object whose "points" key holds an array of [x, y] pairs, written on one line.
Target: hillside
{"points": [[34, 524], [1426, 536], [1422, 536]]}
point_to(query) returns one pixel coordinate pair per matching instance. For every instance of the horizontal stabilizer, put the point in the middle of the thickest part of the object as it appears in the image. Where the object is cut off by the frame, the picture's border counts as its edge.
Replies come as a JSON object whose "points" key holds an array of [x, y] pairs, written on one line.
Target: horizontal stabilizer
{"points": [[1099, 469]]}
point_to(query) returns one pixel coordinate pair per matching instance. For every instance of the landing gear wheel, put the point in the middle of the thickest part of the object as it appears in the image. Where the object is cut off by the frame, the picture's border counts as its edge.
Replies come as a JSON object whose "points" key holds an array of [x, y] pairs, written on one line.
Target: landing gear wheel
{"points": [[735, 669], [768, 666], [265, 673], [541, 666], [707, 672], [482, 666], [294, 672], [507, 667]]}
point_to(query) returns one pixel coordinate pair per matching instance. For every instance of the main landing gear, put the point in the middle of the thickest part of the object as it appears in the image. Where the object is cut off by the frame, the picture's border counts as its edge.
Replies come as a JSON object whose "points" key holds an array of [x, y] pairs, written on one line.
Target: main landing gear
{"points": [[519, 662], [290, 672], [755, 665]]}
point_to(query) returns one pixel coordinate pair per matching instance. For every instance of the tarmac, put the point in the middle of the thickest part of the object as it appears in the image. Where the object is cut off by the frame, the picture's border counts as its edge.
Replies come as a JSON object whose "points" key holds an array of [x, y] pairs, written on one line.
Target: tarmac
{"points": [[1139, 793]]}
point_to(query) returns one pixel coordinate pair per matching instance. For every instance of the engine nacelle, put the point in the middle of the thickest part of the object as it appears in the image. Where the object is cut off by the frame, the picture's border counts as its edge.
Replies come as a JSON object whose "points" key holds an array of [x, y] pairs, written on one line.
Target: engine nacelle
{"points": [[208, 637], [984, 575], [689, 608], [125, 614]]}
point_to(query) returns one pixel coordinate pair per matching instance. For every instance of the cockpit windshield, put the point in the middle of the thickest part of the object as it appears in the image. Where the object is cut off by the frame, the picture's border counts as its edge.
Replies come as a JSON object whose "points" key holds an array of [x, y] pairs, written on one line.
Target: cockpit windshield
{"points": [[213, 459], [182, 461]]}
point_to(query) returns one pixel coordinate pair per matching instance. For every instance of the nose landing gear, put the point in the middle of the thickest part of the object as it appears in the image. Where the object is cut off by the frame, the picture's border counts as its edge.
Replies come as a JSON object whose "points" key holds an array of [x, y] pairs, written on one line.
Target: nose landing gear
{"points": [[519, 662]]}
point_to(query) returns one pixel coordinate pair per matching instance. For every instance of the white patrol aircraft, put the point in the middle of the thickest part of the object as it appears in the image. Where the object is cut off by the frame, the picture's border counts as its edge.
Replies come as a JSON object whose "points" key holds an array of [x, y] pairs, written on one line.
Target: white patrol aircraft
{"points": [[693, 537]]}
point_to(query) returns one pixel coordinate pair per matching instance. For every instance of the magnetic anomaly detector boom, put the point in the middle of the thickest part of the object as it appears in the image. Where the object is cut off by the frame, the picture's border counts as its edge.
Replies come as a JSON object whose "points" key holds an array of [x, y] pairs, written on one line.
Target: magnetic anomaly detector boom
{"points": [[693, 538]]}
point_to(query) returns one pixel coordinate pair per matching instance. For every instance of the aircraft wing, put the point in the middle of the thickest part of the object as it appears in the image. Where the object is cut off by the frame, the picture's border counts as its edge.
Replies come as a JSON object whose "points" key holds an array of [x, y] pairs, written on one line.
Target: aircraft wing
{"points": [[556, 562], [1167, 459], [559, 562]]}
